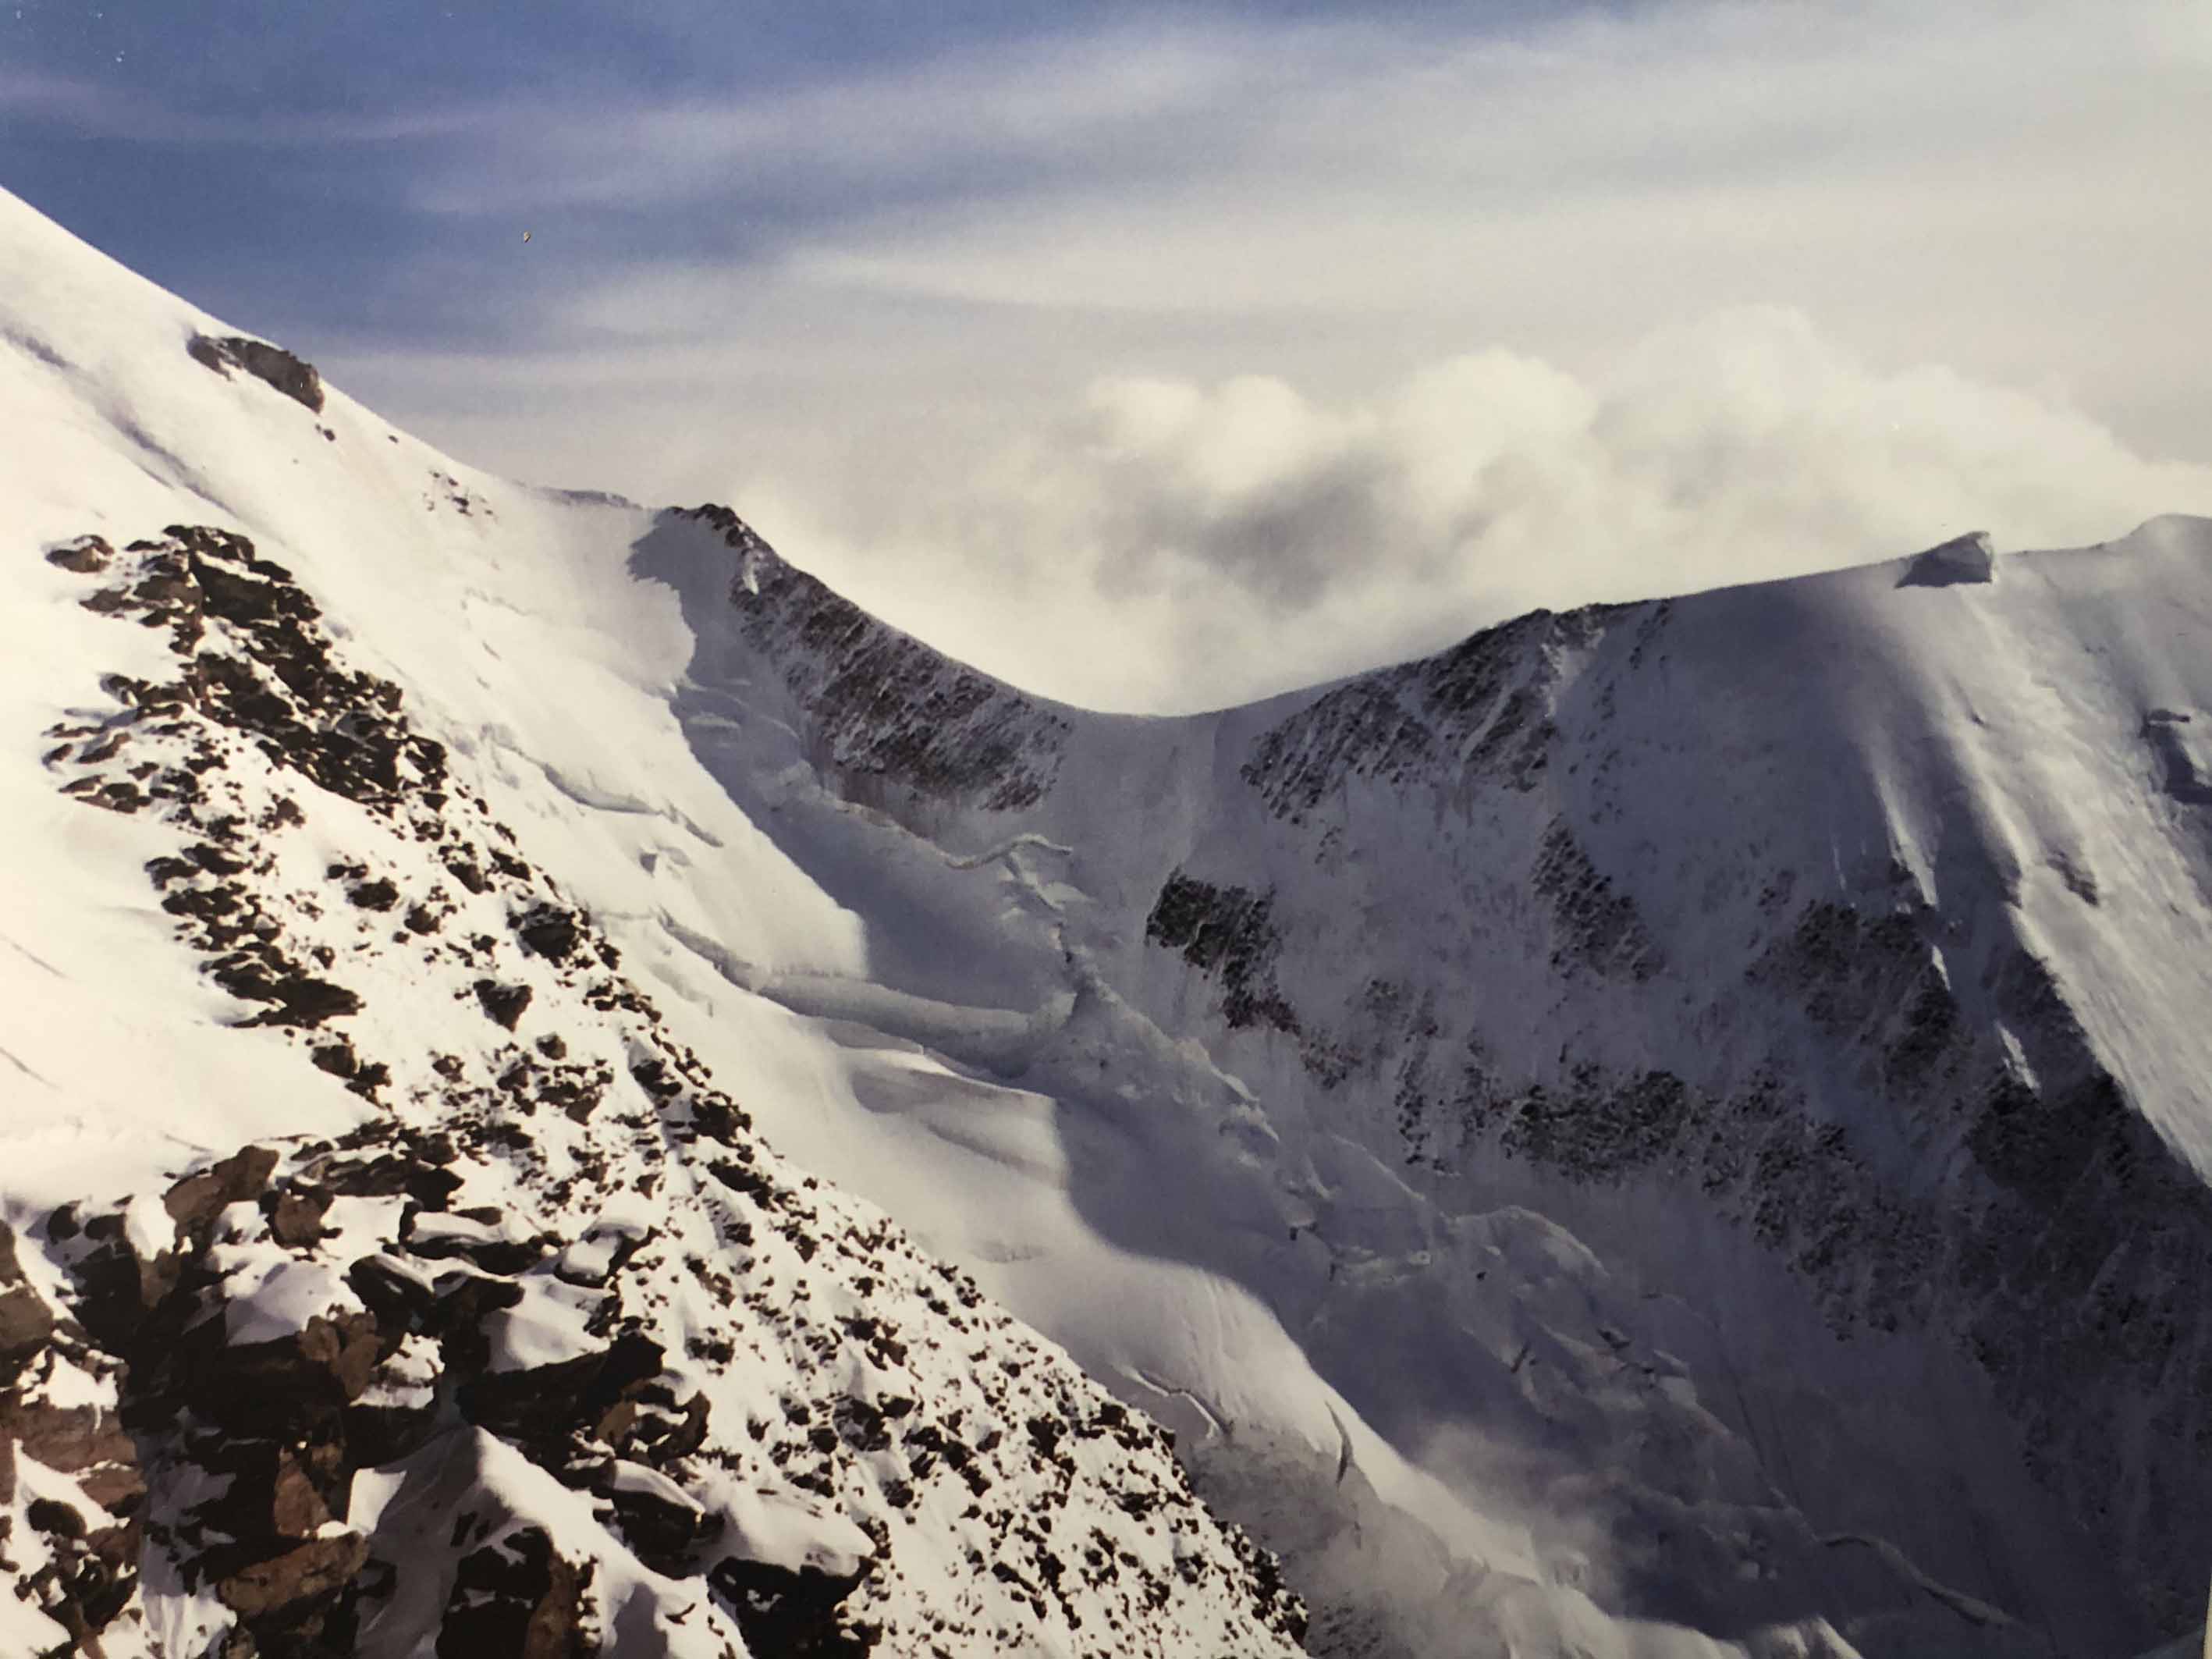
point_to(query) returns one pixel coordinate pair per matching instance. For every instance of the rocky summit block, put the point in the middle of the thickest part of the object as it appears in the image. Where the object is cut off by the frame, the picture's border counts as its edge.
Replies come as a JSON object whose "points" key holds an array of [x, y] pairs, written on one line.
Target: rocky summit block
{"points": [[1963, 559]]}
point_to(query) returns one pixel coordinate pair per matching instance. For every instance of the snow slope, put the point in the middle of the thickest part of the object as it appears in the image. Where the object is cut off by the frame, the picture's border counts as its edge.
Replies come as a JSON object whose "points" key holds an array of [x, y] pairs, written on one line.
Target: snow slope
{"points": [[377, 1274], [1717, 1082], [1672, 1130]]}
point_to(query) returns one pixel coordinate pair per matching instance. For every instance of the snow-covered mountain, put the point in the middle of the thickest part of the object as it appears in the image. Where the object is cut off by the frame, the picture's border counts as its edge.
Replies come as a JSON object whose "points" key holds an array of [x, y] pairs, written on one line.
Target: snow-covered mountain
{"points": [[1674, 1129]]}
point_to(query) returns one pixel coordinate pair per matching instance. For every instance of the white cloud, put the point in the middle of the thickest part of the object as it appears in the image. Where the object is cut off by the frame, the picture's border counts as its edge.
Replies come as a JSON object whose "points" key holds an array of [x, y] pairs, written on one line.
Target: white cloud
{"points": [[1167, 543]]}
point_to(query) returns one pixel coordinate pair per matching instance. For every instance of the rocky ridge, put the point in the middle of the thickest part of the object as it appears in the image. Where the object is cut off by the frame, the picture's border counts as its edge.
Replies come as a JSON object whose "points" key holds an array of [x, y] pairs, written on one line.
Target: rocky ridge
{"points": [[1915, 1119], [548, 1354], [883, 706]]}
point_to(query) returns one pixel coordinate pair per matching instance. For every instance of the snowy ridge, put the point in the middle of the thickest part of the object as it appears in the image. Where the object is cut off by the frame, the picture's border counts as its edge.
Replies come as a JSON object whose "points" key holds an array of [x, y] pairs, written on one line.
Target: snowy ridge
{"points": [[1761, 938], [547, 1349], [881, 704]]}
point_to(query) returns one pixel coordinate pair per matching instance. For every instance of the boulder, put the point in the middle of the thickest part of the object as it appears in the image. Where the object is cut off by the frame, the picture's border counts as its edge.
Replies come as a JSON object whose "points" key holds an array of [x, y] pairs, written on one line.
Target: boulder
{"points": [[26, 1322], [517, 1597], [81, 1441], [86, 556], [295, 1218], [798, 1613], [293, 1584], [549, 1402], [271, 365], [270, 1495], [295, 1382], [502, 1004], [549, 932], [194, 1202]]}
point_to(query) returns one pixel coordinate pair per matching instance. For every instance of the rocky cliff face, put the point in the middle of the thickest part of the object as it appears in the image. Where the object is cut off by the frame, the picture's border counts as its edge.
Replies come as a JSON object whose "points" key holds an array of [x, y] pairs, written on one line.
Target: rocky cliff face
{"points": [[548, 1355], [885, 712], [1887, 1085]]}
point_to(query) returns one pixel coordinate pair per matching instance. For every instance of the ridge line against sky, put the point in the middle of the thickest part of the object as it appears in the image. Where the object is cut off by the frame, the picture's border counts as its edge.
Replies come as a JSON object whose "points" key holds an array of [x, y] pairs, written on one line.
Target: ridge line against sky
{"points": [[1181, 356]]}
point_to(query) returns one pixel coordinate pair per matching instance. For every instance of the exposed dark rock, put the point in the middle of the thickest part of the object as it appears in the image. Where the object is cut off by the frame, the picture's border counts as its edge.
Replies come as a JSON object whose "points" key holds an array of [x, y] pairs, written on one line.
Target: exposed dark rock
{"points": [[1598, 927], [502, 1004], [1479, 710], [378, 895], [337, 1059], [548, 932], [2184, 755], [416, 1176], [1229, 932], [1604, 1135], [544, 1404], [270, 1495], [56, 1518], [666, 1536], [798, 1613], [503, 1256], [81, 1441], [92, 1576], [295, 1217], [517, 1597], [719, 1119], [88, 555], [289, 1588], [397, 1300], [25, 1321], [273, 365], [245, 1388], [1963, 559], [884, 706], [295, 997], [195, 1201]]}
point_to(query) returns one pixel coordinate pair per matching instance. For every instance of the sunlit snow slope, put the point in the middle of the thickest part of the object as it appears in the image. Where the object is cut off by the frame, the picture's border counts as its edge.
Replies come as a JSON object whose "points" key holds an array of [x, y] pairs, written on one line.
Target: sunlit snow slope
{"points": [[379, 1272], [1677, 1129]]}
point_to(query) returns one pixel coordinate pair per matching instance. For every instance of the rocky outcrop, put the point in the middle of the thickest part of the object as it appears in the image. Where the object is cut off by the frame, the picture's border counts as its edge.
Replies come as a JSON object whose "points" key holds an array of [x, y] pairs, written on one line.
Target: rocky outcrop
{"points": [[1971, 558], [1225, 930], [1481, 709], [272, 365], [517, 1596], [2183, 746], [883, 706], [1923, 1152]]}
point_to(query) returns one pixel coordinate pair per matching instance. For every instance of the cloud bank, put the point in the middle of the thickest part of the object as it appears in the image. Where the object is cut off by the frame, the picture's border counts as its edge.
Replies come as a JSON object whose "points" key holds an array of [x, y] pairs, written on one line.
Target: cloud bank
{"points": [[1206, 542]]}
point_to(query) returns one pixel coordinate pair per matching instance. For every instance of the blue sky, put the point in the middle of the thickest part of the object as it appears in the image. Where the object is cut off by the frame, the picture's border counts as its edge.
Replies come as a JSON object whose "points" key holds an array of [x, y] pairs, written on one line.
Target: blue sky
{"points": [[1160, 356], [272, 156]]}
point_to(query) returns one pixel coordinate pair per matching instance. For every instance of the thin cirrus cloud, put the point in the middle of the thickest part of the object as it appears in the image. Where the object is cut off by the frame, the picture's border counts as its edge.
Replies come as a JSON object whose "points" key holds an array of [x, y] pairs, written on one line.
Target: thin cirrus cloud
{"points": [[91, 111], [943, 129]]}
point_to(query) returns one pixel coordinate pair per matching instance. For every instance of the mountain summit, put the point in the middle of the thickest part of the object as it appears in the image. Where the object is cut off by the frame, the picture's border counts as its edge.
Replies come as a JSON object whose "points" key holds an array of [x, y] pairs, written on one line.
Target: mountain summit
{"points": [[569, 1091]]}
